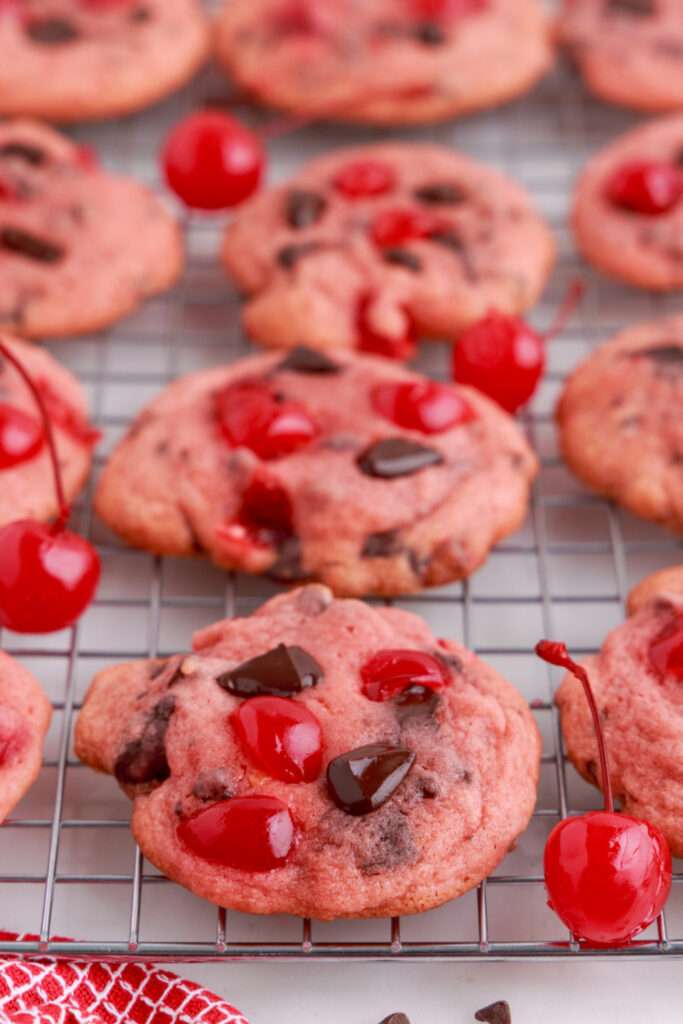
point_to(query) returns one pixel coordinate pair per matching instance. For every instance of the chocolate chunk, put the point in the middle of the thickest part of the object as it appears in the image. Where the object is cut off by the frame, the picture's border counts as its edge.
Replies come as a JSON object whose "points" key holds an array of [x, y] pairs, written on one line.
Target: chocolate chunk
{"points": [[30, 154], [395, 1018], [417, 562], [440, 193], [397, 456], [211, 787], [304, 208], [362, 780], [280, 672], [144, 761], [307, 360], [288, 567], [637, 8], [387, 845], [667, 357], [403, 258], [289, 255], [452, 240], [25, 244], [140, 15], [51, 31], [496, 1013], [417, 703], [430, 33], [382, 545]]}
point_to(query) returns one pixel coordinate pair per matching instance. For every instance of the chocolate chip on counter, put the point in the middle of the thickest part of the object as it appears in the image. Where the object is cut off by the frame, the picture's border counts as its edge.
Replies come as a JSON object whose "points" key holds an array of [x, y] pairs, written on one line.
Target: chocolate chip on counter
{"points": [[396, 457], [382, 545], [440, 193], [638, 8], [289, 255], [496, 1013], [304, 208], [362, 780], [403, 258], [395, 1018], [430, 33], [30, 154], [143, 760], [23, 243], [280, 672], [51, 31], [306, 360]]}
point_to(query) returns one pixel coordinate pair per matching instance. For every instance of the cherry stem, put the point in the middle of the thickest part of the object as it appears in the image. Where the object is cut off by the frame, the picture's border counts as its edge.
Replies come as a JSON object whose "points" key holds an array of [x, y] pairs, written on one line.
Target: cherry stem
{"points": [[63, 508], [557, 654], [571, 300]]}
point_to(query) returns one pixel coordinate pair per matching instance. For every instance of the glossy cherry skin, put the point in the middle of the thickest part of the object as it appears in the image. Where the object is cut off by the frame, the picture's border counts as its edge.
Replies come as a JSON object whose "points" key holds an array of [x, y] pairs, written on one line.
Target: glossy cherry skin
{"points": [[371, 341], [666, 650], [646, 187], [21, 436], [390, 672], [48, 577], [280, 737], [608, 876], [444, 9], [212, 161], [249, 833], [364, 179], [424, 405], [297, 17], [396, 226], [502, 357], [252, 416]]}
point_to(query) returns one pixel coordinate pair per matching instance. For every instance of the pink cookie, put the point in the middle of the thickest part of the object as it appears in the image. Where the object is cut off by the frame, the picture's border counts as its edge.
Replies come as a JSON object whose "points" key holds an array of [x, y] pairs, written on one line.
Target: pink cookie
{"points": [[77, 60], [387, 62], [26, 484], [79, 247], [445, 790], [368, 247], [25, 714], [302, 468]]}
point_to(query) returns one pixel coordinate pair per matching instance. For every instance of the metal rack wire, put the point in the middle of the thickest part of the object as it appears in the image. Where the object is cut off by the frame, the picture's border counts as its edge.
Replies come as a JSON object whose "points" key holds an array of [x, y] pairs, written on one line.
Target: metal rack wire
{"points": [[67, 862]]}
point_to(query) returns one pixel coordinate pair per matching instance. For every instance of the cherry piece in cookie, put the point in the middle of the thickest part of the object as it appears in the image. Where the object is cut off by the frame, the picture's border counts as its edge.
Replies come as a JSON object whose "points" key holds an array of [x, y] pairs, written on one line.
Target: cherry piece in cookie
{"points": [[265, 514], [608, 875], [389, 673], [361, 780], [281, 737], [666, 650], [369, 339], [365, 179], [646, 187], [21, 436], [427, 406], [253, 416], [396, 225], [252, 833]]}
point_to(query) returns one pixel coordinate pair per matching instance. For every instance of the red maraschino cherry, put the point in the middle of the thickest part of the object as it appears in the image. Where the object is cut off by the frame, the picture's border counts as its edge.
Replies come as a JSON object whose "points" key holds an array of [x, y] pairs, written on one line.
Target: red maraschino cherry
{"points": [[424, 405], [437, 10], [666, 650], [646, 186], [281, 737], [248, 833], [251, 415], [21, 436], [504, 358], [608, 875], [48, 575], [365, 179], [398, 225], [388, 673], [373, 342]]}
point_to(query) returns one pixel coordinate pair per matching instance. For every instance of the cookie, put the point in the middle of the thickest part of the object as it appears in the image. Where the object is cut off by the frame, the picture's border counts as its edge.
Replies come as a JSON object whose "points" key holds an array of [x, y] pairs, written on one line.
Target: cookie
{"points": [[78, 60], [641, 247], [352, 471], [79, 247], [619, 421], [25, 714], [629, 52], [389, 62], [373, 769], [26, 482], [367, 247], [637, 679]]}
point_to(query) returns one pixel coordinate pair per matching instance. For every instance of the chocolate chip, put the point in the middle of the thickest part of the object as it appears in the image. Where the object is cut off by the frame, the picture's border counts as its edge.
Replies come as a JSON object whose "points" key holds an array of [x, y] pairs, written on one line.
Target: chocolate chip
{"points": [[212, 787], [451, 240], [440, 193], [33, 155], [140, 15], [496, 1013], [288, 567], [304, 208], [51, 31], [403, 258], [417, 562], [280, 672], [668, 357], [416, 703], [289, 255], [382, 545], [395, 1018], [638, 8], [430, 33], [143, 761], [307, 360], [25, 244], [397, 456], [362, 780]]}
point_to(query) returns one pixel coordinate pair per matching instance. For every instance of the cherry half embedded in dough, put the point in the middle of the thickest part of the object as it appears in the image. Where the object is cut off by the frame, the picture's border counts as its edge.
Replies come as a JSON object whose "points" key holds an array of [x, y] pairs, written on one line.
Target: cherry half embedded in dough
{"points": [[364, 179], [252, 415], [248, 833], [372, 341], [424, 405], [398, 225], [646, 186], [608, 875], [447, 9], [21, 436], [281, 737], [666, 650], [388, 673]]}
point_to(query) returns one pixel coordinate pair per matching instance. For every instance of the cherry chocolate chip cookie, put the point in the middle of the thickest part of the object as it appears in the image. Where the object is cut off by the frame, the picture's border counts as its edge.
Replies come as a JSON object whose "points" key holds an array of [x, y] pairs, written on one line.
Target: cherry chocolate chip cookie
{"points": [[25, 714], [385, 62], [352, 471], [320, 758], [26, 483], [78, 60], [369, 247], [620, 424], [637, 679], [79, 247]]}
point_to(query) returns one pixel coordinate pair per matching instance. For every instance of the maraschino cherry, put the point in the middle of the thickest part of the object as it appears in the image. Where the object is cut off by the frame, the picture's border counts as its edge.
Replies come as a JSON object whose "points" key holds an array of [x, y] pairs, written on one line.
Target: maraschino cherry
{"points": [[281, 737], [424, 405], [666, 650], [365, 179], [390, 672], [48, 575], [398, 225], [504, 358], [372, 341], [248, 833], [251, 415], [646, 186], [608, 875], [443, 9]]}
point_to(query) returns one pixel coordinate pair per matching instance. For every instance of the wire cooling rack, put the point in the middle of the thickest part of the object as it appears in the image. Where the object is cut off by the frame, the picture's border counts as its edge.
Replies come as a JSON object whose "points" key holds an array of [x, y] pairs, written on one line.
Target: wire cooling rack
{"points": [[68, 865]]}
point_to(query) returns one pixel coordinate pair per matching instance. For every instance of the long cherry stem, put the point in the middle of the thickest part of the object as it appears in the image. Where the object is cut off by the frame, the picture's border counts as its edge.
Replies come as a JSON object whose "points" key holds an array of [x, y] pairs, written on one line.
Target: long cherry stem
{"points": [[572, 298], [557, 654], [62, 506]]}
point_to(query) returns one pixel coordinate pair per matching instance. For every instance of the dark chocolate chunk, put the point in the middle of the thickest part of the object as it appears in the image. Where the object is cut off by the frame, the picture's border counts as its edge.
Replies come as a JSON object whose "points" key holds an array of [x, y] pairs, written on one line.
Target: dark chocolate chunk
{"points": [[289, 255], [288, 567], [140, 15], [280, 672], [25, 244], [307, 360], [637, 8], [143, 760], [403, 258], [395, 1018], [25, 151], [417, 703], [397, 456], [362, 780], [496, 1013], [382, 545], [667, 357], [430, 33], [51, 31], [304, 208], [211, 787], [440, 193]]}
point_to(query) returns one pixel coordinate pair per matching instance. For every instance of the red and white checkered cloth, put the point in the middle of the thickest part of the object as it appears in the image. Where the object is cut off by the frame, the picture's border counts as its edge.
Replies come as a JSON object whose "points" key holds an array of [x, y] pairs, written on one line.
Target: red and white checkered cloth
{"points": [[78, 992]]}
